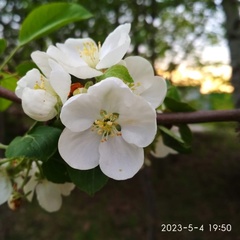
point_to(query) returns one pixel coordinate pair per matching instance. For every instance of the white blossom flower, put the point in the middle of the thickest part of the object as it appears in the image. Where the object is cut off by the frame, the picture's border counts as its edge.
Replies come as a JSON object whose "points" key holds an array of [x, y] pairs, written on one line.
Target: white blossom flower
{"points": [[84, 58], [108, 126], [5, 186], [42, 96], [152, 88], [49, 194], [161, 150]]}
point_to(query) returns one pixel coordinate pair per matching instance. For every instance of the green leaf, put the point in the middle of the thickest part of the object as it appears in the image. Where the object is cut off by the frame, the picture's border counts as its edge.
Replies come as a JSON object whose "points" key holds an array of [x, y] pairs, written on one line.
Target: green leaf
{"points": [[24, 67], [177, 106], [171, 134], [9, 82], [173, 92], [3, 45], [89, 181], [185, 133], [173, 100], [48, 18], [181, 144], [118, 71], [55, 170], [40, 144]]}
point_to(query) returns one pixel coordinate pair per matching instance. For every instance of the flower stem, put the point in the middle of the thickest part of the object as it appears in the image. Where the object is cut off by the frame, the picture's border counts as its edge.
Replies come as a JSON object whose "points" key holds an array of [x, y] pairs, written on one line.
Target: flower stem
{"points": [[10, 56], [2, 146], [5, 160], [7, 94], [26, 175]]}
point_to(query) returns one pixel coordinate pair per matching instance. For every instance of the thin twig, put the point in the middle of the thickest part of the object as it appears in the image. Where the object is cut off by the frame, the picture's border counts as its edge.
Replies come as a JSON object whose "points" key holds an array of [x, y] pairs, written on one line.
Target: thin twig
{"points": [[7, 94], [169, 118], [199, 116]]}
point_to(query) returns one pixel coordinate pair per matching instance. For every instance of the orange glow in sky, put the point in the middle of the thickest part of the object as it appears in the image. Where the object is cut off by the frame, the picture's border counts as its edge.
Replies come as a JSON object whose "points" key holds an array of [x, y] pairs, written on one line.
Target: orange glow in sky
{"points": [[208, 78]]}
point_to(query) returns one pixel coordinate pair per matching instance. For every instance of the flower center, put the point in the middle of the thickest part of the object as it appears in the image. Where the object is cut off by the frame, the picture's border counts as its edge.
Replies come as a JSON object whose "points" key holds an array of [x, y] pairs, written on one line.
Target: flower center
{"points": [[107, 125], [134, 86], [44, 84], [89, 53], [41, 84]]}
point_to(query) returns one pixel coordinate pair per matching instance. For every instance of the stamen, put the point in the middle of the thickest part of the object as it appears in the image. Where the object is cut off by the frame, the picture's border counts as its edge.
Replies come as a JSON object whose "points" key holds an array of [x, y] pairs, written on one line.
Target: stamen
{"points": [[134, 86], [40, 85], [90, 53], [107, 125]]}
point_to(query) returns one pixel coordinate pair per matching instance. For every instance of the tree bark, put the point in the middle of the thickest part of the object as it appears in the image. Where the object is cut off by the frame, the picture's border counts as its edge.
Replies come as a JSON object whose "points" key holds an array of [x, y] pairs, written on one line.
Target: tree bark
{"points": [[232, 26]]}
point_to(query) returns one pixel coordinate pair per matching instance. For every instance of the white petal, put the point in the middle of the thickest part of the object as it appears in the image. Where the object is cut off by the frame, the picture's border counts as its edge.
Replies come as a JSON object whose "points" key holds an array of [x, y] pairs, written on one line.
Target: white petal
{"points": [[29, 80], [152, 88], [138, 122], [83, 72], [39, 104], [111, 94], [60, 81], [85, 48], [115, 46], [78, 45], [68, 55], [161, 150], [41, 59], [80, 112], [5, 187], [139, 67], [49, 196], [79, 150], [157, 91], [120, 160], [65, 56], [29, 187], [66, 188]]}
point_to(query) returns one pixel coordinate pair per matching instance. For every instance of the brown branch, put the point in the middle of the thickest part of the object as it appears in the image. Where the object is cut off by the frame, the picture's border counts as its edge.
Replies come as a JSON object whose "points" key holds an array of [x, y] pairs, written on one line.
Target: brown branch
{"points": [[7, 94], [169, 118], [199, 117]]}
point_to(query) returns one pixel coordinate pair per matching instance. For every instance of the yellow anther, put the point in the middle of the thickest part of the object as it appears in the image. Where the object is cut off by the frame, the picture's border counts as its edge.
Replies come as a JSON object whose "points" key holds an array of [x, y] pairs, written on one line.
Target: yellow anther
{"points": [[107, 125], [90, 53]]}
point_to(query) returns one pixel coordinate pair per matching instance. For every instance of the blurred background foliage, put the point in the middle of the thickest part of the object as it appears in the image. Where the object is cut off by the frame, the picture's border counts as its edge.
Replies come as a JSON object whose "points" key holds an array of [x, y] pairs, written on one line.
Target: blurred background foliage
{"points": [[161, 29], [167, 32]]}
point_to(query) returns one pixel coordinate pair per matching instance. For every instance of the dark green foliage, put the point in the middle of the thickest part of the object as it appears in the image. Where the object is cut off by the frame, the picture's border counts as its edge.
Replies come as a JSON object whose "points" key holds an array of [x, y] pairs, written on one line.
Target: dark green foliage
{"points": [[39, 144], [89, 181]]}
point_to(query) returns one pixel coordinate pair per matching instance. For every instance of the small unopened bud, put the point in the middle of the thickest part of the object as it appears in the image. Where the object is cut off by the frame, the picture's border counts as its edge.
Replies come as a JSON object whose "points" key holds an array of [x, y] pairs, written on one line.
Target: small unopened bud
{"points": [[14, 202]]}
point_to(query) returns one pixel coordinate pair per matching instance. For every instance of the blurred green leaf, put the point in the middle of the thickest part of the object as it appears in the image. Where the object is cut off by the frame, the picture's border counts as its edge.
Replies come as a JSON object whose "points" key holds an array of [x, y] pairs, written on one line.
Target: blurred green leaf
{"points": [[55, 170], [170, 133], [48, 18], [40, 144], [181, 143], [89, 181], [24, 67], [118, 71], [9, 82], [173, 92], [186, 133], [3, 45], [177, 106]]}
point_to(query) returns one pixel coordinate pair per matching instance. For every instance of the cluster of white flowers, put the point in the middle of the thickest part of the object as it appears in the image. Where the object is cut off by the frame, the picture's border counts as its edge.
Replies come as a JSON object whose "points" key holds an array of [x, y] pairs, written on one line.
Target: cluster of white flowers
{"points": [[49, 195], [108, 119], [107, 124]]}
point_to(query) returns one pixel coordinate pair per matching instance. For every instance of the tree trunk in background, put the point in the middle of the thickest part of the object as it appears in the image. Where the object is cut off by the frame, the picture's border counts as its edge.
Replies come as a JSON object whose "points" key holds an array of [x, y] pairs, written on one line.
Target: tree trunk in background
{"points": [[232, 25]]}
